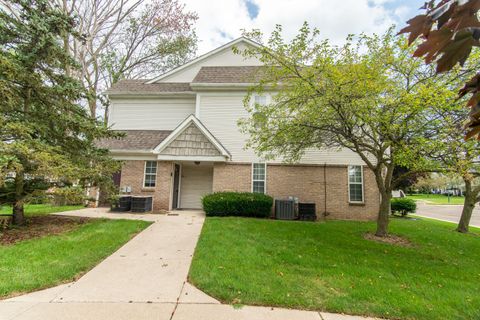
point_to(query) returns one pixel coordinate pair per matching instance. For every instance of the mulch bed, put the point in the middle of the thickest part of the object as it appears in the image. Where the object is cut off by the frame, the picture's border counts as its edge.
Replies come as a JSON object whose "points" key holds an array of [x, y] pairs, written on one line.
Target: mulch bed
{"points": [[390, 239], [40, 226]]}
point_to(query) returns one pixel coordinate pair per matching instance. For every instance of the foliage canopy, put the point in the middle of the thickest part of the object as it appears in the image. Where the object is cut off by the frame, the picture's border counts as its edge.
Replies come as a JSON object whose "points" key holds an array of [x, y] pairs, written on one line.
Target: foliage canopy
{"points": [[45, 135], [368, 96]]}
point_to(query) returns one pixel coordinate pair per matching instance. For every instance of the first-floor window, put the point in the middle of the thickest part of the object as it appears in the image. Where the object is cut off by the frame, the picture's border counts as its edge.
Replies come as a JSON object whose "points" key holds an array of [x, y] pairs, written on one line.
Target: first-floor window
{"points": [[150, 174], [258, 177], [355, 183]]}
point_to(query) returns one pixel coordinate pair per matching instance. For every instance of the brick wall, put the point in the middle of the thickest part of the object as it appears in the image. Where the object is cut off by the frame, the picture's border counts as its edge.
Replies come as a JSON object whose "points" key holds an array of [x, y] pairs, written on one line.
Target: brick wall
{"points": [[232, 177], [132, 175], [303, 181], [307, 183]]}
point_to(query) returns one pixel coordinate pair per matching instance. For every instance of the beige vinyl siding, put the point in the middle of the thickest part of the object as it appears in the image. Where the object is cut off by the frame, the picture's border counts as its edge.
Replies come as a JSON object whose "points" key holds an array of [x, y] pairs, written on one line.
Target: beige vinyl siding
{"points": [[196, 181], [226, 57], [149, 114], [334, 156], [220, 113]]}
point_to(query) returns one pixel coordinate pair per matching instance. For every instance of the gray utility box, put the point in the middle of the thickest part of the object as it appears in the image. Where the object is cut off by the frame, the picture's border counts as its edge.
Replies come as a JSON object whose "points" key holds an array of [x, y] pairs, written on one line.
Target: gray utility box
{"points": [[285, 209]]}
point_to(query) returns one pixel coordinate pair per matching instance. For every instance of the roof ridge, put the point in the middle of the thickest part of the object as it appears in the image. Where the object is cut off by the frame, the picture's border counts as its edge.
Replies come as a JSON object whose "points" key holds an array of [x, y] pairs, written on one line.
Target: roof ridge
{"points": [[140, 86], [205, 55], [228, 74], [142, 130]]}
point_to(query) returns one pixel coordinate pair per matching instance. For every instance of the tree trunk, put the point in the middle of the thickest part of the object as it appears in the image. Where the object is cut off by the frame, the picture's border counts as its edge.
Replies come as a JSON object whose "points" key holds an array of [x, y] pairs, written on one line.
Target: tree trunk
{"points": [[383, 177], [18, 211], [105, 117], [92, 105], [468, 206], [383, 215]]}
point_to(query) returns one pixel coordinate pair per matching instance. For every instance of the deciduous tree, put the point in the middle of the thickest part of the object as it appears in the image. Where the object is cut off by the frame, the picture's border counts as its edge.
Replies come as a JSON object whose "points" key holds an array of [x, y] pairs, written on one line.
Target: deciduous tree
{"points": [[446, 151], [449, 29], [458, 158], [126, 39], [404, 178], [368, 96]]}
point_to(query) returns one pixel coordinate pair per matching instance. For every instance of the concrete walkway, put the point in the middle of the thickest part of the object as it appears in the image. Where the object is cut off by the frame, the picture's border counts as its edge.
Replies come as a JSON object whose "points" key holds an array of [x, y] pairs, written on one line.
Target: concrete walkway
{"points": [[144, 279]]}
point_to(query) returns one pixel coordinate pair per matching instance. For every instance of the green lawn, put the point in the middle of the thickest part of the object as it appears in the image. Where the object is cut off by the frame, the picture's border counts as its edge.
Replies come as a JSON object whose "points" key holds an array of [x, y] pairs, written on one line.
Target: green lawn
{"points": [[331, 267], [40, 263], [40, 209], [436, 198]]}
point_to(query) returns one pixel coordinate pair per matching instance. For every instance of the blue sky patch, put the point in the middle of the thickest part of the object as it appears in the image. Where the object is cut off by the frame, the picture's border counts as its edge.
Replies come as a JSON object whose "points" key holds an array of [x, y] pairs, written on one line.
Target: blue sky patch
{"points": [[413, 4], [252, 8]]}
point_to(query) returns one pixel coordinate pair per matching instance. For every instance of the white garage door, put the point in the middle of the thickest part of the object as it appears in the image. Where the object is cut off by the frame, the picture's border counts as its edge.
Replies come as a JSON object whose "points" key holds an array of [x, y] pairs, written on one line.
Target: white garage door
{"points": [[195, 183]]}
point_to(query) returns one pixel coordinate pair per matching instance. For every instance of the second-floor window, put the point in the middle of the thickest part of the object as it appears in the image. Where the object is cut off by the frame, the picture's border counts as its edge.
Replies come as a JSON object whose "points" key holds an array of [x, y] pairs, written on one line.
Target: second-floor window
{"points": [[259, 174], [150, 174], [261, 100]]}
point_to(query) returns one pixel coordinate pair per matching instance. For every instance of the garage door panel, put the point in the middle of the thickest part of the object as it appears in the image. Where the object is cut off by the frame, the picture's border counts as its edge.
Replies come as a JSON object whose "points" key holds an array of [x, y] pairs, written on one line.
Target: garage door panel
{"points": [[196, 182]]}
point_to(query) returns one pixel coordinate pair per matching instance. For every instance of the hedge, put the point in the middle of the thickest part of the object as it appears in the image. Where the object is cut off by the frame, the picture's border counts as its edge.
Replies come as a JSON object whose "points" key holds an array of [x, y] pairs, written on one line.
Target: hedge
{"points": [[403, 206], [244, 204]]}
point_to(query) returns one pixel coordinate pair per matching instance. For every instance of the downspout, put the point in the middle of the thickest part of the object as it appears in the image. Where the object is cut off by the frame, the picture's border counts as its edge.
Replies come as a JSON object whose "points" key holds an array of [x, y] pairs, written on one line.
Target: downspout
{"points": [[325, 212]]}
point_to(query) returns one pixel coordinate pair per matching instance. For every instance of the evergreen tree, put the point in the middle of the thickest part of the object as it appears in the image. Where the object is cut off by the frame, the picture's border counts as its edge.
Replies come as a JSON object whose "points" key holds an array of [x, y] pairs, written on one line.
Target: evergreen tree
{"points": [[45, 135]]}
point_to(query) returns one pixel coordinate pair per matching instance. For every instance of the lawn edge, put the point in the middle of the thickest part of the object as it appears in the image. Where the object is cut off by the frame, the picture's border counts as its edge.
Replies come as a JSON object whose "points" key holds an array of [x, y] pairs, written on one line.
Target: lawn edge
{"points": [[79, 275]]}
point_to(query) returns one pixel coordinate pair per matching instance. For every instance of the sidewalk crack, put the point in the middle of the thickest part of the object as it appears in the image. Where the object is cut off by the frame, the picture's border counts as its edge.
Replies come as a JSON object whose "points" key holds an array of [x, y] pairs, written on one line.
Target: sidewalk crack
{"points": [[178, 300]]}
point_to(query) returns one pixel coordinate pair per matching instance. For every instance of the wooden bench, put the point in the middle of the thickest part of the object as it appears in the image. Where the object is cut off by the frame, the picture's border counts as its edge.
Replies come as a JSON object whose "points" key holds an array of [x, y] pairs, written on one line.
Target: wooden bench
{"points": [[5, 220]]}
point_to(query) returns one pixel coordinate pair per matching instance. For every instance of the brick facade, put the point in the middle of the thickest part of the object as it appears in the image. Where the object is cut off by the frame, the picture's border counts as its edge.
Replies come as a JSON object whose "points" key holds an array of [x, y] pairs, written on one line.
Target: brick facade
{"points": [[307, 182], [232, 177], [133, 174]]}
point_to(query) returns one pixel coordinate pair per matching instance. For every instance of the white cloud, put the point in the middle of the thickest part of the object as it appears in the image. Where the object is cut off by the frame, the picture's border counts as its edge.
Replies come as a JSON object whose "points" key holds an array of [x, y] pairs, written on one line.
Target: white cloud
{"points": [[221, 20]]}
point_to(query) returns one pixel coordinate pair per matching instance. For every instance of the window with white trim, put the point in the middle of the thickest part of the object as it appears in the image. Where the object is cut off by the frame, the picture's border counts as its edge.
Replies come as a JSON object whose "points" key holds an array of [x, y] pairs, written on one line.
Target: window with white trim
{"points": [[355, 184], [150, 174], [259, 174], [260, 100]]}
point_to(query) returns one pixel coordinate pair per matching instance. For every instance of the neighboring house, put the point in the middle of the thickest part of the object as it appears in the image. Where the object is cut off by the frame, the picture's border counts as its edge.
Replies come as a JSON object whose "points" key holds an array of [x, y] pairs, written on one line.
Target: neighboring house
{"points": [[182, 142]]}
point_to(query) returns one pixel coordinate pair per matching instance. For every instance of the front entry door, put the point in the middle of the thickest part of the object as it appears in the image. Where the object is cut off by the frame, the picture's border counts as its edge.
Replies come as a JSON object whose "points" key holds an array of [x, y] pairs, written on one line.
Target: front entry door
{"points": [[176, 185]]}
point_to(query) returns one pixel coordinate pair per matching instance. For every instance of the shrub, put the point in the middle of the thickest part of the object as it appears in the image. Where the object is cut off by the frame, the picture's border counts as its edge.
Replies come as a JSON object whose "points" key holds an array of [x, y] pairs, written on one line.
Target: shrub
{"points": [[38, 197], [68, 196], [403, 206], [243, 204]]}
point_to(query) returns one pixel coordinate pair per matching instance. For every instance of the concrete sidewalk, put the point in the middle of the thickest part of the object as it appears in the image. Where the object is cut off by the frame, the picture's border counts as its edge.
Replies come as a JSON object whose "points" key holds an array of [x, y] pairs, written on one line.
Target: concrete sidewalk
{"points": [[145, 279]]}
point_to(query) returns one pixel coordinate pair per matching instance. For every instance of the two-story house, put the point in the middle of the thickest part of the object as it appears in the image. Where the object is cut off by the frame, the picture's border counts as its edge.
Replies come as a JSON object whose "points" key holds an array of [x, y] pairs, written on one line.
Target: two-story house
{"points": [[183, 141]]}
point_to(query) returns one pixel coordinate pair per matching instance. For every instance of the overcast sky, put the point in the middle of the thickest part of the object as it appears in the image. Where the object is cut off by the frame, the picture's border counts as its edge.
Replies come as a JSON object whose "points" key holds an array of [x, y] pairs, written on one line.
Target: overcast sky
{"points": [[221, 20]]}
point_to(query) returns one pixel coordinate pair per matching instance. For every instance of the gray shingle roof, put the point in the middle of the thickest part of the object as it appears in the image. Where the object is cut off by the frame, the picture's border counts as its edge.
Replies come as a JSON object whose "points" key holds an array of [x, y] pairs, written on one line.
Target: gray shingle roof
{"points": [[139, 86], [135, 140], [245, 74]]}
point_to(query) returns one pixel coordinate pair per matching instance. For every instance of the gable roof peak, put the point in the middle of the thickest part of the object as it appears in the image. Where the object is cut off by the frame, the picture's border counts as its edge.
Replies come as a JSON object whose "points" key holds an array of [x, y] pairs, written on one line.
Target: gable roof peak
{"points": [[205, 56], [191, 119]]}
